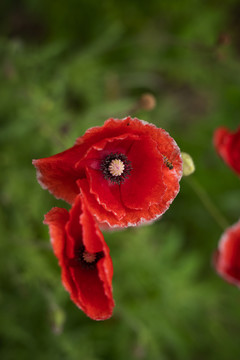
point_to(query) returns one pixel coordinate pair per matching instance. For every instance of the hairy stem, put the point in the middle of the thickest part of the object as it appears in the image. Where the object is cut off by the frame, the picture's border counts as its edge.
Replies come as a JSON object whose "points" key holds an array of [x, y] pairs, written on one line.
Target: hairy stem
{"points": [[208, 203]]}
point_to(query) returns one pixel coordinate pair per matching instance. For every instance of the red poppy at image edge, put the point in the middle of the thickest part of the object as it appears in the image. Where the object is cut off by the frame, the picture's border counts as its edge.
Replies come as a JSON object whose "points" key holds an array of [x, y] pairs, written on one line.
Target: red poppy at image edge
{"points": [[84, 259], [128, 172], [227, 257], [227, 145]]}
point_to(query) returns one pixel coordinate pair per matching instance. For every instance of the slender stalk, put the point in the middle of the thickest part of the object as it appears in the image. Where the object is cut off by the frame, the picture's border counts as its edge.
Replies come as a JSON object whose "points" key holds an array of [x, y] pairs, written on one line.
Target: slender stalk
{"points": [[208, 203]]}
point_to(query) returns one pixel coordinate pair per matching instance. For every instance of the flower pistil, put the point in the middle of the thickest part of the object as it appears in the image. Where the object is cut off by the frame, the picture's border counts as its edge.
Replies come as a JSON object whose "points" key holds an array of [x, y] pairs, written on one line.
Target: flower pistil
{"points": [[116, 167], [88, 260]]}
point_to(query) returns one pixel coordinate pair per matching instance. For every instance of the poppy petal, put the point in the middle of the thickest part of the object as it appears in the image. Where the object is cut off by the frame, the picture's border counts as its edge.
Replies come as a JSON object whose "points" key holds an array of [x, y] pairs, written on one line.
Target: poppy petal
{"points": [[227, 258], [57, 219], [144, 186], [102, 215], [94, 242], [227, 145], [57, 173]]}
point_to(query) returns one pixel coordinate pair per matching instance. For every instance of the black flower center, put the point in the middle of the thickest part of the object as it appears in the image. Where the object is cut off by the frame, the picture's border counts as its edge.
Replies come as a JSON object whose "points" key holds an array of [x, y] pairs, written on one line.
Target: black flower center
{"points": [[116, 167], [88, 260]]}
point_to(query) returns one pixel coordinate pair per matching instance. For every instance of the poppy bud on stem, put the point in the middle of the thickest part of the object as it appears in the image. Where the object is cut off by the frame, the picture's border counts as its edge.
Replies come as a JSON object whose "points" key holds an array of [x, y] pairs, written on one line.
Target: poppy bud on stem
{"points": [[208, 203], [146, 102], [188, 164]]}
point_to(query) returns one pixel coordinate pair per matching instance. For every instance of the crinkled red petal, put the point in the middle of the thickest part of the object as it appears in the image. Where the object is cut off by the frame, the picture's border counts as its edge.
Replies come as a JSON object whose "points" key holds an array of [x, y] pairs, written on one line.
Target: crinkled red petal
{"points": [[94, 242], [133, 217], [228, 147], [171, 181], [58, 174], [227, 258], [89, 288], [92, 298], [102, 215], [145, 186], [222, 140], [57, 219], [106, 193], [234, 151], [74, 229]]}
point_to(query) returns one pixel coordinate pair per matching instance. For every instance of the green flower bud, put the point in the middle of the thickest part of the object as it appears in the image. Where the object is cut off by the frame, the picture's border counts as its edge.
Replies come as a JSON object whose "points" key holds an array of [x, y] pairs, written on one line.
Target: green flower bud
{"points": [[188, 164]]}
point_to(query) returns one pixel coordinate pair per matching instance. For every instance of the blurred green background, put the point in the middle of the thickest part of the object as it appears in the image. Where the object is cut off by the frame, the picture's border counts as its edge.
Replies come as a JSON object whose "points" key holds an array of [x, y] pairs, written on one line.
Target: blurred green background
{"points": [[67, 66]]}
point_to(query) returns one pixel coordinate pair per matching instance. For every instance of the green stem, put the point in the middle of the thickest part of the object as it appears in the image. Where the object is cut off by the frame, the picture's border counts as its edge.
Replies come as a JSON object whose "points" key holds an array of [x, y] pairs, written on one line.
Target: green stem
{"points": [[207, 202]]}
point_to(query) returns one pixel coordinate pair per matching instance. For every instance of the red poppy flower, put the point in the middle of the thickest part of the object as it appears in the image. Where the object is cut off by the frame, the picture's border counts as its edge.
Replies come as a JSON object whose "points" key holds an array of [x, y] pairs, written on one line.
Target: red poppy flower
{"points": [[84, 259], [227, 145], [227, 258], [127, 171]]}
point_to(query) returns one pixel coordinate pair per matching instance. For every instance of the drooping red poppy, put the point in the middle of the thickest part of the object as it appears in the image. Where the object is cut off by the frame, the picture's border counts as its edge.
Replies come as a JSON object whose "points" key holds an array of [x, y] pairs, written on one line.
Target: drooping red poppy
{"points": [[128, 172], [84, 259], [227, 145], [227, 257]]}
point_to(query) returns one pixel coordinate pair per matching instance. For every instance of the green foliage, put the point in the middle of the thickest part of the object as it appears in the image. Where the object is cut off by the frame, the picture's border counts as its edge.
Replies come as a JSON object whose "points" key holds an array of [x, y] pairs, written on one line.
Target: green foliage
{"points": [[64, 68]]}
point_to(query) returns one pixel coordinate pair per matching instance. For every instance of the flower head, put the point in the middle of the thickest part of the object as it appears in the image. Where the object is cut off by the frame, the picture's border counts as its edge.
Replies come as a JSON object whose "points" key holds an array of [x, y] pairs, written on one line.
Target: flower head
{"points": [[227, 257], [127, 171], [227, 145], [84, 259]]}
